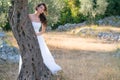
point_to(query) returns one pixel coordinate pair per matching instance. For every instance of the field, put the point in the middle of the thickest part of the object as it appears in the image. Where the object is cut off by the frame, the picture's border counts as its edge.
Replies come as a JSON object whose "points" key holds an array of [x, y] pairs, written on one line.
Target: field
{"points": [[80, 58], [84, 58]]}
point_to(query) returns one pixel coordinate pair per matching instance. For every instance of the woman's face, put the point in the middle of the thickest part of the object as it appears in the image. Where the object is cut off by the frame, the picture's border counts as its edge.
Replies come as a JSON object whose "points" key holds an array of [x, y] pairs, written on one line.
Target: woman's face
{"points": [[40, 9]]}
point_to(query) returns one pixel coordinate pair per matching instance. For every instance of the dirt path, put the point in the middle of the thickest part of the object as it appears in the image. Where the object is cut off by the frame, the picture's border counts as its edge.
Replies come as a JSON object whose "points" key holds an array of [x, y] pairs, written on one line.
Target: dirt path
{"points": [[84, 59]]}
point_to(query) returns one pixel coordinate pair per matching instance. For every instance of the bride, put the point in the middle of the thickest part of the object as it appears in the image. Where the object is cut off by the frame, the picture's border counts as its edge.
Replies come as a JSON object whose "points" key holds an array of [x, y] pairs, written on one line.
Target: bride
{"points": [[38, 20]]}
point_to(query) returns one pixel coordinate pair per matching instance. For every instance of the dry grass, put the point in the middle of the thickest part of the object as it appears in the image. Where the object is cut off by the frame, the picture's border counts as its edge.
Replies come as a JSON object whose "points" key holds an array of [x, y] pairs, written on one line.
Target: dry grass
{"points": [[8, 71], [83, 65], [10, 39], [83, 58], [70, 42]]}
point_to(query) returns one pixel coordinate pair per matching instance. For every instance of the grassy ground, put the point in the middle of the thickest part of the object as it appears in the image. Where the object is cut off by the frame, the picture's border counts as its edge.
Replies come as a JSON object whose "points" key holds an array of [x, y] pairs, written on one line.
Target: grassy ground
{"points": [[81, 58], [84, 58], [8, 71]]}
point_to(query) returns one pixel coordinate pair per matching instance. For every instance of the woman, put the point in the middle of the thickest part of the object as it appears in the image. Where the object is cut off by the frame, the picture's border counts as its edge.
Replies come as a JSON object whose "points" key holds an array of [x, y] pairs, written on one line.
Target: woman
{"points": [[38, 20]]}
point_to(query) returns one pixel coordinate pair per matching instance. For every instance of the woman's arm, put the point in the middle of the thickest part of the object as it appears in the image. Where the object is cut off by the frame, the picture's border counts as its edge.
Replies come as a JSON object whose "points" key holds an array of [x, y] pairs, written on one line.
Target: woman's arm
{"points": [[43, 30]]}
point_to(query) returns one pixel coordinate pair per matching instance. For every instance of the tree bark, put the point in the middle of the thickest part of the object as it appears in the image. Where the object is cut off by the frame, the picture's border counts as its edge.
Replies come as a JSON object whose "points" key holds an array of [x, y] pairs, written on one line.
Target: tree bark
{"points": [[33, 67]]}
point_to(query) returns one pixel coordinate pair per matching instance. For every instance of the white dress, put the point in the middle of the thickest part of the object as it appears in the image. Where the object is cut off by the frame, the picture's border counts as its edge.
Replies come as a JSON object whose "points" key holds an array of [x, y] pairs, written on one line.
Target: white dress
{"points": [[46, 55]]}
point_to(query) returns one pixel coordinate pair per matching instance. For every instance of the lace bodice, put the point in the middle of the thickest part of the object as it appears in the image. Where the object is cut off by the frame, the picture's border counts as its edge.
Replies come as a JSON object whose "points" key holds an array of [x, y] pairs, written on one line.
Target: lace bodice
{"points": [[36, 26]]}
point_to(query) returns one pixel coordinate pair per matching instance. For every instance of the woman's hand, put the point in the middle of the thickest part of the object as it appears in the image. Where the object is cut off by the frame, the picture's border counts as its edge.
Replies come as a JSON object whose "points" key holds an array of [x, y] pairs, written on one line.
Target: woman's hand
{"points": [[38, 34], [42, 31]]}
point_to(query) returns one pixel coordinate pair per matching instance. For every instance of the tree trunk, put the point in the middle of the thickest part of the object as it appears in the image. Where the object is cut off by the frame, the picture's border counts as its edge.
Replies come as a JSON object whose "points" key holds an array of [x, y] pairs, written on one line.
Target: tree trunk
{"points": [[33, 67]]}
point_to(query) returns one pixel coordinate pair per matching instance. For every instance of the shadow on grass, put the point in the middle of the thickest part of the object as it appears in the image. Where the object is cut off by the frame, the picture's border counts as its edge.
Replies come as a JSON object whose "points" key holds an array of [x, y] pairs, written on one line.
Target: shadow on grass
{"points": [[87, 65]]}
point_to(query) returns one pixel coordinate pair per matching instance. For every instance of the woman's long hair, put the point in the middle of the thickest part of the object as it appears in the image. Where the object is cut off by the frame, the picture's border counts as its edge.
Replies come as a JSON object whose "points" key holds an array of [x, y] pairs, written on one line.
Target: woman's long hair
{"points": [[42, 16]]}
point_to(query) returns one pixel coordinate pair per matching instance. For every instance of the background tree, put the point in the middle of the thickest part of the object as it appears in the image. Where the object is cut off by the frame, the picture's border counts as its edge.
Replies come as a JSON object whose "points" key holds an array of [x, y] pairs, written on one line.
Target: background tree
{"points": [[70, 13], [4, 5], [113, 8], [93, 8], [61, 12], [54, 8]]}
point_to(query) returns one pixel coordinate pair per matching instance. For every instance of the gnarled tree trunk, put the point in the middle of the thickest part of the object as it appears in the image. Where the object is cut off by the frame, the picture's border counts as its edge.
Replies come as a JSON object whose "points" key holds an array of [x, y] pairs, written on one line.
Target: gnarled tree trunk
{"points": [[33, 67]]}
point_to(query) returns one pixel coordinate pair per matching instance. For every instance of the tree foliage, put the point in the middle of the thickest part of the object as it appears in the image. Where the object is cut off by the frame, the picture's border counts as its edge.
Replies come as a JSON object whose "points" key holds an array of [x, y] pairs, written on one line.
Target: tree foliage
{"points": [[93, 8], [113, 8], [54, 8], [67, 11], [4, 5]]}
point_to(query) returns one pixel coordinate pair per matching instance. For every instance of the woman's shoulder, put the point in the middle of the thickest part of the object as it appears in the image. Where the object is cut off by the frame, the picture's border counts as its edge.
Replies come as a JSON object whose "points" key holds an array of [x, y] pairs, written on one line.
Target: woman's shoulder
{"points": [[30, 15]]}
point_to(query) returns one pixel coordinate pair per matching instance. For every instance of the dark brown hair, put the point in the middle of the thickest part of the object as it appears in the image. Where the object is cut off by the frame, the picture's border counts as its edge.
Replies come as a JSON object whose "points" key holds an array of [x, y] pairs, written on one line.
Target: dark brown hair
{"points": [[43, 15]]}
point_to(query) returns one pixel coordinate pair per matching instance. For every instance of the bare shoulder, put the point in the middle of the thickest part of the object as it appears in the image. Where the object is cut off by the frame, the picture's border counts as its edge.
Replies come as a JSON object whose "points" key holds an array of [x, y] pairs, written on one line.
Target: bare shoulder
{"points": [[30, 15]]}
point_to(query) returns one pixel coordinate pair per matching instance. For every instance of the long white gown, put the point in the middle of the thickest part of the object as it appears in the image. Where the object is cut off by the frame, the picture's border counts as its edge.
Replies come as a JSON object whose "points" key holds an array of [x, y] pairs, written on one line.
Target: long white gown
{"points": [[46, 54]]}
